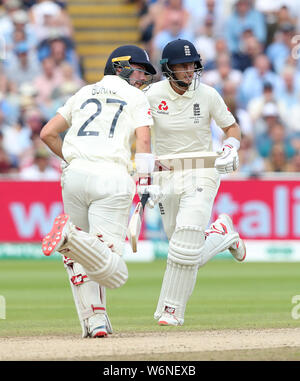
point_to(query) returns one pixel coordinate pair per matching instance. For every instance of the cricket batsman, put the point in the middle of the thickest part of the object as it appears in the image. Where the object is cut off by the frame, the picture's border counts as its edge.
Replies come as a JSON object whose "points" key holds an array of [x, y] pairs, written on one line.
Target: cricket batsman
{"points": [[182, 109], [101, 121]]}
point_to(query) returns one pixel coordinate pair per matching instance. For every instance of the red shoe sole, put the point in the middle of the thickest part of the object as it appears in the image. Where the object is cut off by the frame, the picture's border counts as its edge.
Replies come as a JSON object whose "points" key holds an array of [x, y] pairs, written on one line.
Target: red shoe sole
{"points": [[162, 323], [100, 334], [54, 237]]}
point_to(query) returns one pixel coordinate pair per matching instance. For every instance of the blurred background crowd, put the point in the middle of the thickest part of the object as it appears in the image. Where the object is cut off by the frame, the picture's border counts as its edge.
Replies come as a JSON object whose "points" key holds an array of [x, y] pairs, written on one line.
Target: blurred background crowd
{"points": [[250, 51]]}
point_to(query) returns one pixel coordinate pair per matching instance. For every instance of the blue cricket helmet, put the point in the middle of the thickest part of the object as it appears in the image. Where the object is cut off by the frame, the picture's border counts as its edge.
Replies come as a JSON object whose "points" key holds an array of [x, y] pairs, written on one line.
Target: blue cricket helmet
{"points": [[177, 52], [123, 56]]}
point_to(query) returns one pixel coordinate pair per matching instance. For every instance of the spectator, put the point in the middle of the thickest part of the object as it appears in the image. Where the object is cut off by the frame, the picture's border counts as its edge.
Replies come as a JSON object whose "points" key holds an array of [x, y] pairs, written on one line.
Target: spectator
{"points": [[255, 77], [281, 49], [291, 116], [7, 109], [244, 17], [173, 32], [251, 164], [256, 105], [5, 163], [47, 16], [268, 116], [47, 81], [230, 99], [206, 9], [171, 10], [294, 164], [23, 66], [276, 134], [223, 72], [33, 119], [289, 96], [16, 140], [68, 75], [61, 94], [6, 23], [220, 49], [277, 161], [40, 169], [205, 42], [61, 50], [250, 48], [147, 15], [20, 31], [285, 15]]}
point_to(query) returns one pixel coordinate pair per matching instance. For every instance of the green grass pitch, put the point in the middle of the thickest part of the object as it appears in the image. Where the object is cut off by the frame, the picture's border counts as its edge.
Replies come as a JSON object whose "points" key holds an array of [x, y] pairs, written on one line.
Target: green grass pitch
{"points": [[228, 295]]}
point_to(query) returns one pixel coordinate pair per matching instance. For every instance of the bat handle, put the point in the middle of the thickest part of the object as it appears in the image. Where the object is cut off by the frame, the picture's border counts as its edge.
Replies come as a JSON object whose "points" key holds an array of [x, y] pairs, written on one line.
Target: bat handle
{"points": [[144, 199]]}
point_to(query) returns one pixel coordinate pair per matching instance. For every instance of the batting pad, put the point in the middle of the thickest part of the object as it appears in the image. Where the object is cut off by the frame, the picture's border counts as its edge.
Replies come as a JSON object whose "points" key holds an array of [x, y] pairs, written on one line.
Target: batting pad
{"points": [[180, 276], [89, 296], [102, 265], [186, 244], [177, 286]]}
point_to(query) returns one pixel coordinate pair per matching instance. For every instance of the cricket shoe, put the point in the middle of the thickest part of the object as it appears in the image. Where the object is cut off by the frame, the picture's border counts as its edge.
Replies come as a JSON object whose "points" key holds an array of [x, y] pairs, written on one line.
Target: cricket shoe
{"points": [[169, 319], [222, 230], [55, 239], [97, 326]]}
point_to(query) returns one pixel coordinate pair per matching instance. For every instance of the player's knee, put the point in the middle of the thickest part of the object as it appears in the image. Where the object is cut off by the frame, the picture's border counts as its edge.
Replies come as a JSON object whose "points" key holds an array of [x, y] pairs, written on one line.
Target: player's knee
{"points": [[113, 275], [186, 245]]}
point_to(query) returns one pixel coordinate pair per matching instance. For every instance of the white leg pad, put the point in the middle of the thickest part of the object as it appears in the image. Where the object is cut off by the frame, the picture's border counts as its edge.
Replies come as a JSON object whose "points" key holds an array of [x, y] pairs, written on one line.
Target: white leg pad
{"points": [[181, 271], [101, 264], [89, 296]]}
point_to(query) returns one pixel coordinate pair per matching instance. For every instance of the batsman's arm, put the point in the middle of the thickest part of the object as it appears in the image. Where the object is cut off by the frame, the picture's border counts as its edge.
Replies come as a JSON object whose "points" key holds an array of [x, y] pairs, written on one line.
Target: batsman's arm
{"points": [[143, 139], [233, 131], [144, 159], [50, 134]]}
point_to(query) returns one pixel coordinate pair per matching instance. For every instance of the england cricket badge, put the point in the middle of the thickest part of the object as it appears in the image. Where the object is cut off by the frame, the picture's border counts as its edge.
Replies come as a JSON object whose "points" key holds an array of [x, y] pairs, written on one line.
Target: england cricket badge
{"points": [[197, 114]]}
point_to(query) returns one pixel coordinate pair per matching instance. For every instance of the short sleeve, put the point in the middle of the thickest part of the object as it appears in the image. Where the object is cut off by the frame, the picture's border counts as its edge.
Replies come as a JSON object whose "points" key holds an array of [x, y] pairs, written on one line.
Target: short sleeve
{"points": [[141, 113], [66, 110]]}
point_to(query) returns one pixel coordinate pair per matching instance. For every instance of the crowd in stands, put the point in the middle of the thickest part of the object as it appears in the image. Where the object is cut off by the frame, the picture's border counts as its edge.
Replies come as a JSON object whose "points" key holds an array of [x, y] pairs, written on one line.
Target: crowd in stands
{"points": [[250, 51], [39, 71]]}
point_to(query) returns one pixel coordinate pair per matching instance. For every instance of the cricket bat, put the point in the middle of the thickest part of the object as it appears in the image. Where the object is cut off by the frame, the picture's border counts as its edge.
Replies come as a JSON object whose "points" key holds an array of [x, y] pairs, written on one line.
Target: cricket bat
{"points": [[135, 223], [188, 160]]}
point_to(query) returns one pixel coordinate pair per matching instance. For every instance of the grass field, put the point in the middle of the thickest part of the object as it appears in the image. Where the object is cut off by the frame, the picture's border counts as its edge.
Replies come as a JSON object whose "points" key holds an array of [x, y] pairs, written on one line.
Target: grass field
{"points": [[228, 295]]}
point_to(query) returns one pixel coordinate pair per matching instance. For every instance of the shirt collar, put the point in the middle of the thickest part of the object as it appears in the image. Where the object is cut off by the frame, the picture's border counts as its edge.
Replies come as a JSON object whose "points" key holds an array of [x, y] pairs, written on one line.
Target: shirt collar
{"points": [[173, 95]]}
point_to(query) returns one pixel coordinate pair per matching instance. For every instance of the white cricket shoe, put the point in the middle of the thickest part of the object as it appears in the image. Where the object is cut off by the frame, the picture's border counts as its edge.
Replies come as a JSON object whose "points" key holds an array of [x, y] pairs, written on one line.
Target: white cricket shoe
{"points": [[168, 319], [55, 239], [231, 240], [97, 326]]}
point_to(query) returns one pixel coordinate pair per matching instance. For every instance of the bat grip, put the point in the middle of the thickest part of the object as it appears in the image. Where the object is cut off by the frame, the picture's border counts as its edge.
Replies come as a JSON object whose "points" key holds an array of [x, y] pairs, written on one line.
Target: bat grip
{"points": [[144, 199]]}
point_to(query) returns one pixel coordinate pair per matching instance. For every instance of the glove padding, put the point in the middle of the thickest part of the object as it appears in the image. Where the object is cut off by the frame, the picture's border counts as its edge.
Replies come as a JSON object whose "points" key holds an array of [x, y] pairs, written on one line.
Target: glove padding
{"points": [[228, 161], [155, 194]]}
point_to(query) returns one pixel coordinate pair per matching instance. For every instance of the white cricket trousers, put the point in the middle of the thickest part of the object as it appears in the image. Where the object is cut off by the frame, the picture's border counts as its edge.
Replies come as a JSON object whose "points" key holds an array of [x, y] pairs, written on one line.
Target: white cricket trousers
{"points": [[98, 197], [185, 210], [188, 197]]}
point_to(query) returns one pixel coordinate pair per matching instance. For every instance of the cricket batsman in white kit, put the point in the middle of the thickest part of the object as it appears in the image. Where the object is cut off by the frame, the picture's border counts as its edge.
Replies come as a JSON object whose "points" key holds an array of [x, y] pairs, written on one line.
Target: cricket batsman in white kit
{"points": [[101, 120], [182, 109]]}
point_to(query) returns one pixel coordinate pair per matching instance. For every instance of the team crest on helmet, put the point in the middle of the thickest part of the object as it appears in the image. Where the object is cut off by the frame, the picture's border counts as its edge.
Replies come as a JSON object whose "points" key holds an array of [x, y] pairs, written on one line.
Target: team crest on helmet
{"points": [[187, 50]]}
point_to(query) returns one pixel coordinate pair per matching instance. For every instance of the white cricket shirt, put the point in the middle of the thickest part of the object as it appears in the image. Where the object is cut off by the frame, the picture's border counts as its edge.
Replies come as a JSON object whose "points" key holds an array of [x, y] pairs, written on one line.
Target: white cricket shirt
{"points": [[102, 119], [182, 122]]}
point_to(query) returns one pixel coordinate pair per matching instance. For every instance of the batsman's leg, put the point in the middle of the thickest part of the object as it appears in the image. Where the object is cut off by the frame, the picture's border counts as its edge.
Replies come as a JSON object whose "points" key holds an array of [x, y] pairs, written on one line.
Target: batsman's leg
{"points": [[182, 264], [90, 301], [102, 265], [221, 236], [193, 209]]}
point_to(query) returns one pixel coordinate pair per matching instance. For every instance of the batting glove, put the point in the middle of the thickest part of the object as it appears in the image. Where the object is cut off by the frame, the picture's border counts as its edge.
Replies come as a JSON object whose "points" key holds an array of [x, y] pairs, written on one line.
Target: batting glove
{"points": [[154, 191], [228, 161]]}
